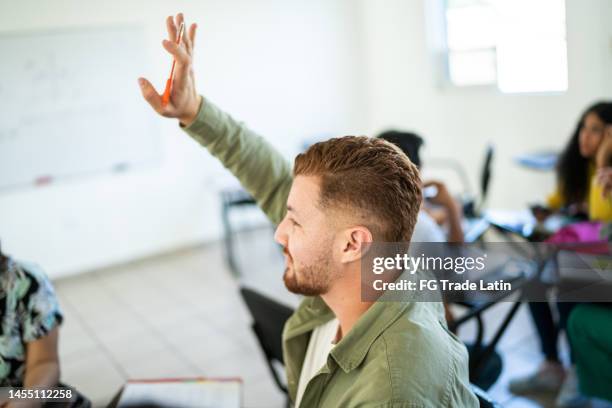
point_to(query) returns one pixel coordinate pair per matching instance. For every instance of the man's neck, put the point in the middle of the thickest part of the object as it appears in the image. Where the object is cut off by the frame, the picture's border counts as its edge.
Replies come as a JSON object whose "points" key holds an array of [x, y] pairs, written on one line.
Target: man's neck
{"points": [[344, 299]]}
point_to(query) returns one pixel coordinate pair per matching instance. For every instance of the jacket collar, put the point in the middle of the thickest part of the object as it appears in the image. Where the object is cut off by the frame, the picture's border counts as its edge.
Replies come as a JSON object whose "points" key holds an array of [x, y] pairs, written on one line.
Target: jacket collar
{"points": [[352, 348], [350, 352]]}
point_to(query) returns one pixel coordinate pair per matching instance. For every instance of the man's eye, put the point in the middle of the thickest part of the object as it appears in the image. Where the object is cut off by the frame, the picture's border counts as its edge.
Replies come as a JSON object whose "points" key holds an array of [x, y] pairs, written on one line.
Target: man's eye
{"points": [[293, 222]]}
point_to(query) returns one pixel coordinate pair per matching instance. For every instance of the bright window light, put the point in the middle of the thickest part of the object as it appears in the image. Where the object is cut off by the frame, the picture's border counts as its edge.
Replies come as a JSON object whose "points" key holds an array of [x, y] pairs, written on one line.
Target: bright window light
{"points": [[472, 67], [519, 45]]}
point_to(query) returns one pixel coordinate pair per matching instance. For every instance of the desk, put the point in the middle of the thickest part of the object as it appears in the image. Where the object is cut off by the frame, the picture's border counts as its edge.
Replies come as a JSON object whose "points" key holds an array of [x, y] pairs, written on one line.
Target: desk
{"points": [[584, 277]]}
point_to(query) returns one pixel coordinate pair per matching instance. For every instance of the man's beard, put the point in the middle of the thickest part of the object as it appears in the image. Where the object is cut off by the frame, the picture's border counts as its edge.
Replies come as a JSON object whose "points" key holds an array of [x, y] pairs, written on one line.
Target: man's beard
{"points": [[314, 279]]}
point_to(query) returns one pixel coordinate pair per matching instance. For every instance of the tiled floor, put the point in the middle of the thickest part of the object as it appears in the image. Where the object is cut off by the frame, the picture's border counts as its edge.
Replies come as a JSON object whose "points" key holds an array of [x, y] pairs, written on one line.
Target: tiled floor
{"points": [[181, 315]]}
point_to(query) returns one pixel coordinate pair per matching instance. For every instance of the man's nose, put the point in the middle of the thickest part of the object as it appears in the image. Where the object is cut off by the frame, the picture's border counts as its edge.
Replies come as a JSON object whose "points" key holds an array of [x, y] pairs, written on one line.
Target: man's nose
{"points": [[280, 234]]}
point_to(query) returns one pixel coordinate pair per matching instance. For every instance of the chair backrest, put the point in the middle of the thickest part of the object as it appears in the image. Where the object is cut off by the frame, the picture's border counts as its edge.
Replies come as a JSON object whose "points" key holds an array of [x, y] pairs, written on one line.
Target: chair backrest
{"points": [[269, 319], [485, 177], [484, 399]]}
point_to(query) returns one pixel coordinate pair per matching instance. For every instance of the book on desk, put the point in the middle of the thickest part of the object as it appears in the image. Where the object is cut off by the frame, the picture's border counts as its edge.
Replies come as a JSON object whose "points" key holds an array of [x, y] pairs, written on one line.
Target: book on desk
{"points": [[182, 393]]}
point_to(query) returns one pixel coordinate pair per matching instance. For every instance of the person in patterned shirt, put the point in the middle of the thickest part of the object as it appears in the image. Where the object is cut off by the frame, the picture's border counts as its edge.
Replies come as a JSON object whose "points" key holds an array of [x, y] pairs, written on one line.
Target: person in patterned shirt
{"points": [[29, 326]]}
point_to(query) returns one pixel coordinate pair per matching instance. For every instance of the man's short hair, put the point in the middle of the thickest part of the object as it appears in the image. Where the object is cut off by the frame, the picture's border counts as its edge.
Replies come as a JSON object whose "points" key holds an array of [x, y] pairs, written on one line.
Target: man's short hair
{"points": [[369, 178]]}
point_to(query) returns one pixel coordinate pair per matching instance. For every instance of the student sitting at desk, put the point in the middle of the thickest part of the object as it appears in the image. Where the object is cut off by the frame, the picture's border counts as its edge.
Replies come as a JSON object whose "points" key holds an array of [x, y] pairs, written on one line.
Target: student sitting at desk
{"points": [[428, 228], [342, 194], [579, 190], [30, 324], [576, 169]]}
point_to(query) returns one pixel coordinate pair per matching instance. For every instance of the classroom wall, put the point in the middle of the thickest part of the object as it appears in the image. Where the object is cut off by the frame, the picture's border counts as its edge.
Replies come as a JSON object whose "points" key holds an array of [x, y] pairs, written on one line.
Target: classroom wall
{"points": [[290, 69], [403, 92]]}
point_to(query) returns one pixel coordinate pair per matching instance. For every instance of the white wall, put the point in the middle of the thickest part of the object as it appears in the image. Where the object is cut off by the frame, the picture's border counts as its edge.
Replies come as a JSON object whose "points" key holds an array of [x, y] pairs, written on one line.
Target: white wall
{"points": [[290, 69], [403, 93]]}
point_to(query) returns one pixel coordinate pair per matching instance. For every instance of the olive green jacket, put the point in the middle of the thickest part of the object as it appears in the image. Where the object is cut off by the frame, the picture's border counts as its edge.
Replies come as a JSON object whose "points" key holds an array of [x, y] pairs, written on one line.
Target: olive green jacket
{"points": [[398, 354]]}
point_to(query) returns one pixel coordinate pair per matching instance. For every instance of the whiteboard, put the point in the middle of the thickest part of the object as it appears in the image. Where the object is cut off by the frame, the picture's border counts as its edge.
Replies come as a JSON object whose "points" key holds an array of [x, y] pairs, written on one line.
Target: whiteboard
{"points": [[70, 104]]}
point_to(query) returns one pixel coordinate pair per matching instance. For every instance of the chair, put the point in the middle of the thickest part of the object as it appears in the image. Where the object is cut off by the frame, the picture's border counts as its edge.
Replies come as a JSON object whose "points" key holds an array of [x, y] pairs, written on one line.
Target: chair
{"points": [[485, 177], [232, 199], [472, 209], [269, 318], [474, 224], [485, 363]]}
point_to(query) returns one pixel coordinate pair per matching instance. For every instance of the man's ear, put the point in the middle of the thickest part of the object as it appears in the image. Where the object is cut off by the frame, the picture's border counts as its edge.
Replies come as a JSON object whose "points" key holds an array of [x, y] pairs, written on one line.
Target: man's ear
{"points": [[355, 244]]}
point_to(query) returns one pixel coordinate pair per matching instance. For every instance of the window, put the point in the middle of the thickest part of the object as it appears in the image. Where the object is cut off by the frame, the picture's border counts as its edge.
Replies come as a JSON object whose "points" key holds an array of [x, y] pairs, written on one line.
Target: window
{"points": [[519, 45]]}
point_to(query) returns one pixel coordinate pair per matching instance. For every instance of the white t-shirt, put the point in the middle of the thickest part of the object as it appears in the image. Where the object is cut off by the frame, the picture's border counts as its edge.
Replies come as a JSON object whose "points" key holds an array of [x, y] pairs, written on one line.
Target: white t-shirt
{"points": [[320, 344]]}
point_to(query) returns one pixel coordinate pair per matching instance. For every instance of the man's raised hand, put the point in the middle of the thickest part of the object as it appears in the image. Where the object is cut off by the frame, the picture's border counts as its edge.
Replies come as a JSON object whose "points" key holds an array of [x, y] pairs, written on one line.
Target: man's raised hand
{"points": [[184, 100]]}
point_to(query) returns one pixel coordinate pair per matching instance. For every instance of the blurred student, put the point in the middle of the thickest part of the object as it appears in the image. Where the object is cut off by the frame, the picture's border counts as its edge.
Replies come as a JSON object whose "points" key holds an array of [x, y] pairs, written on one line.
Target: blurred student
{"points": [[427, 228], [430, 228], [30, 324], [342, 195], [579, 191]]}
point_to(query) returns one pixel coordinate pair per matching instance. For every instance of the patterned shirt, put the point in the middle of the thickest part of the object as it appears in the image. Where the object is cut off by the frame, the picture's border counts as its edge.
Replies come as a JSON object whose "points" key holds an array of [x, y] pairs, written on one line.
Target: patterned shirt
{"points": [[29, 310]]}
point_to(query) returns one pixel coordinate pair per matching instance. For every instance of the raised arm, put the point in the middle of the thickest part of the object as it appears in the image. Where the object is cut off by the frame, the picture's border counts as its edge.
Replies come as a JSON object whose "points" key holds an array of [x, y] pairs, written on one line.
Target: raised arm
{"points": [[261, 169], [452, 210], [604, 165]]}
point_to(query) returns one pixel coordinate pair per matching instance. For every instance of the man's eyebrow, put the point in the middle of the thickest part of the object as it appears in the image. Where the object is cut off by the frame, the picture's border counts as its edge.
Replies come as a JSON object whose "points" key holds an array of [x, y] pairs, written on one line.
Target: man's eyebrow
{"points": [[290, 208]]}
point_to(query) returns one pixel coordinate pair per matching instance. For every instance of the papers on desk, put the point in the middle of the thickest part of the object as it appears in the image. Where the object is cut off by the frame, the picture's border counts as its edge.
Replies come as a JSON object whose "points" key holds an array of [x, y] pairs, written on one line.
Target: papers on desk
{"points": [[523, 222], [544, 161], [182, 393]]}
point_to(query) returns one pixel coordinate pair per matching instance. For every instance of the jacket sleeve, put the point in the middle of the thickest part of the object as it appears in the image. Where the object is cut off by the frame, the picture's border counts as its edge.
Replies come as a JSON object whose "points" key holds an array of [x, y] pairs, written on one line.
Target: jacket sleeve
{"points": [[260, 168]]}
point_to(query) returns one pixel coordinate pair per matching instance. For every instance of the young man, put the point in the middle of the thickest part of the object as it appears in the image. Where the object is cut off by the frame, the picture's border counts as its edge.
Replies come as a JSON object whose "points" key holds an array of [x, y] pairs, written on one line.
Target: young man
{"points": [[343, 194]]}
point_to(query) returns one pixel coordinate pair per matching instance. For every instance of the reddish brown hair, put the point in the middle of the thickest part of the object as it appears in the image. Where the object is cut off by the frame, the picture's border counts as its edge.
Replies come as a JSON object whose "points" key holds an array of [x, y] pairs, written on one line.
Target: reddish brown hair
{"points": [[371, 178]]}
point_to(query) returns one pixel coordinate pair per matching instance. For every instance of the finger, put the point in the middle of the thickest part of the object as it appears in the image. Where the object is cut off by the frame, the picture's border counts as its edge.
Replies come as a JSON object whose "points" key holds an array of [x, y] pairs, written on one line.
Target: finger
{"points": [[188, 39], [150, 95], [183, 63], [179, 19], [192, 36], [180, 54], [171, 27]]}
